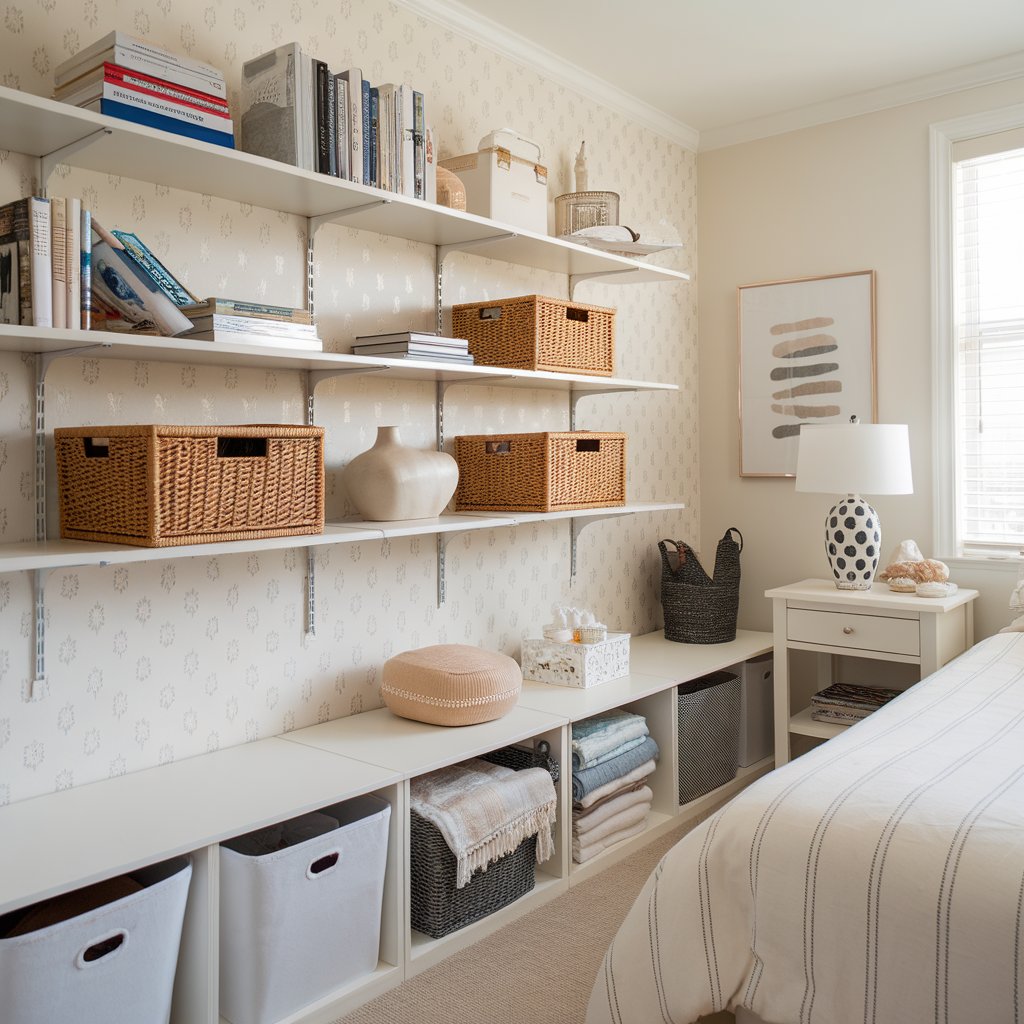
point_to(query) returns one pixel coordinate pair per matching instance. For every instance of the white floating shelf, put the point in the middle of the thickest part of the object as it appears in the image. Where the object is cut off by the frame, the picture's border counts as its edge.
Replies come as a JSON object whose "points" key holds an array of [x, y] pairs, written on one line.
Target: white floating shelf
{"points": [[39, 127]]}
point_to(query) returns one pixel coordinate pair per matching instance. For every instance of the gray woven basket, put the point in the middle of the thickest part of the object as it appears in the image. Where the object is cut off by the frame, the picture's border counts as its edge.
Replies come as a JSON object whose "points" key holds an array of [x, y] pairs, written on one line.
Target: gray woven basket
{"points": [[437, 908], [699, 609]]}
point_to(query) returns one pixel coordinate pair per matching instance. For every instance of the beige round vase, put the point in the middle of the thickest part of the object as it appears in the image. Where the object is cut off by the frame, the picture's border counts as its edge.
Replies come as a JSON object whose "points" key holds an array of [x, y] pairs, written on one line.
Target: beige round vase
{"points": [[390, 481]]}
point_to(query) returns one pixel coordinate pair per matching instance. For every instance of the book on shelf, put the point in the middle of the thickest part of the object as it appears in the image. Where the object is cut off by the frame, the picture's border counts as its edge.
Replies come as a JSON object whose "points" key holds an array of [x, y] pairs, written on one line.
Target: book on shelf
{"points": [[146, 115], [419, 146], [139, 251], [342, 130], [139, 55], [123, 290], [385, 136], [405, 113], [374, 133], [88, 87], [366, 132], [846, 703], [275, 104], [326, 159], [244, 308], [59, 260], [137, 93], [85, 254], [353, 79], [425, 338], [422, 357], [312, 344], [251, 325], [26, 281], [430, 162], [73, 261]]}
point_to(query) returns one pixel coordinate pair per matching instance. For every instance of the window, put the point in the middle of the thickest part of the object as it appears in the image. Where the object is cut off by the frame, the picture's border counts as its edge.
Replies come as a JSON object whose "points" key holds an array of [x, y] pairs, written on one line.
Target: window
{"points": [[979, 287]]}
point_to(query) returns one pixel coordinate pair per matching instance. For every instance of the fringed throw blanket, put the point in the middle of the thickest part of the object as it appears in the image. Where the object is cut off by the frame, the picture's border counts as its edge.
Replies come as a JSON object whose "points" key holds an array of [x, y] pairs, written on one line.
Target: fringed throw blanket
{"points": [[484, 811]]}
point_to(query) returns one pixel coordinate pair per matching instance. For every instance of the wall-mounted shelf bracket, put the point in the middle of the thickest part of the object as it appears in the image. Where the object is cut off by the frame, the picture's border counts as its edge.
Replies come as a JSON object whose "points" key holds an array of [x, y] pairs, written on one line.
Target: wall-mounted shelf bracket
{"points": [[310, 593], [576, 527], [36, 686], [442, 252], [49, 161], [443, 540], [575, 279], [575, 396]]}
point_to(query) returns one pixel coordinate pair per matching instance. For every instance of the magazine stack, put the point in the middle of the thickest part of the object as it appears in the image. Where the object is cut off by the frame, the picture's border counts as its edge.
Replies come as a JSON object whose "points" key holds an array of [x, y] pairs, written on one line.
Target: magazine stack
{"points": [[847, 703], [414, 345], [136, 81], [239, 322]]}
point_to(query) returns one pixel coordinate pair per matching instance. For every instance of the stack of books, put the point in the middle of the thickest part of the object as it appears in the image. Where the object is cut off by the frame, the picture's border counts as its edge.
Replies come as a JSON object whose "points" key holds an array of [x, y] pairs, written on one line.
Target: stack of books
{"points": [[240, 322], [136, 81], [295, 109], [413, 345], [846, 703]]}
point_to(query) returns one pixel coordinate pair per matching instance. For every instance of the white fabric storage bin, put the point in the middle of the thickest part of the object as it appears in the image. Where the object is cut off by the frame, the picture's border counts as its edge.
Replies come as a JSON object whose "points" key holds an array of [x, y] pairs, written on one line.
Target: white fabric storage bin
{"points": [[113, 964], [301, 922], [757, 726]]}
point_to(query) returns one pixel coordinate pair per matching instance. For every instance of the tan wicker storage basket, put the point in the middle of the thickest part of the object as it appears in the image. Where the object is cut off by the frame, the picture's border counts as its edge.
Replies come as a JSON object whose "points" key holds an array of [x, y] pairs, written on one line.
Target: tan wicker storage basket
{"points": [[157, 485], [537, 333], [541, 472]]}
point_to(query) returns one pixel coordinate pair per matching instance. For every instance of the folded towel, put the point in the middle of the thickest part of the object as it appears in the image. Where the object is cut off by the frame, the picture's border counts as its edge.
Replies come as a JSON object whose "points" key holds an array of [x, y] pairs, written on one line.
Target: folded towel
{"points": [[603, 734], [597, 816], [586, 780], [627, 814], [584, 853], [637, 776], [484, 811]]}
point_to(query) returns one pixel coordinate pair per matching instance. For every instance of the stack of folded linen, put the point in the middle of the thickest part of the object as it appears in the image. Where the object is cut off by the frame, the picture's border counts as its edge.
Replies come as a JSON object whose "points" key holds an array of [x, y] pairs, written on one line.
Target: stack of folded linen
{"points": [[612, 757]]}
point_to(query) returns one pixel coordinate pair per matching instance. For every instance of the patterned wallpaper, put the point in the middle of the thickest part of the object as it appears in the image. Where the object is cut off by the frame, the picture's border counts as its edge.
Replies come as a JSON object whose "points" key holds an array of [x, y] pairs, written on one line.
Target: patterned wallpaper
{"points": [[157, 661]]}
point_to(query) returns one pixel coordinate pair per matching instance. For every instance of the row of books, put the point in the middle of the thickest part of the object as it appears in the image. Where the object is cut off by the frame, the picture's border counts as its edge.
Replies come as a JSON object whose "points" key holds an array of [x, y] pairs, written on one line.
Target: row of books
{"points": [[131, 79], [295, 109], [846, 703]]}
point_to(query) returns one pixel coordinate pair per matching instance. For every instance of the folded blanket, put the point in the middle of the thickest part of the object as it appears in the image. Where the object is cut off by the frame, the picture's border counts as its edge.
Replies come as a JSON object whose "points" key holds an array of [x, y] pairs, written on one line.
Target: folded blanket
{"points": [[484, 811], [636, 777], [594, 738], [586, 780], [582, 854], [597, 816], [628, 814]]}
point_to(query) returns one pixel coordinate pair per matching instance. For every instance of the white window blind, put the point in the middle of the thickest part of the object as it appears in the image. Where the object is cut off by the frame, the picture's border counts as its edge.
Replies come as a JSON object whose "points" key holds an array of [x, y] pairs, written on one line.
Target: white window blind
{"points": [[988, 269]]}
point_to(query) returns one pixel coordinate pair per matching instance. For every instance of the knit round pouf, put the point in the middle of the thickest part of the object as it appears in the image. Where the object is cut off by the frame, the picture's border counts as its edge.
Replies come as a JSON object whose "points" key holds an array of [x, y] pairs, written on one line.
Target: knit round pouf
{"points": [[451, 684]]}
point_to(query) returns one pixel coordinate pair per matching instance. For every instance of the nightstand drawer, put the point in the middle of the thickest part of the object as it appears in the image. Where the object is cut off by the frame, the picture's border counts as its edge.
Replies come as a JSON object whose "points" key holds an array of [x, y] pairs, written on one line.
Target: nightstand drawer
{"points": [[859, 632]]}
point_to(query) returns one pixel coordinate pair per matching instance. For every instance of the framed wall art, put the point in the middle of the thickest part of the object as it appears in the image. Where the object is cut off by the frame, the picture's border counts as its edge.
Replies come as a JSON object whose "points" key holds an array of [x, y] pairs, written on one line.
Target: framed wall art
{"points": [[806, 355]]}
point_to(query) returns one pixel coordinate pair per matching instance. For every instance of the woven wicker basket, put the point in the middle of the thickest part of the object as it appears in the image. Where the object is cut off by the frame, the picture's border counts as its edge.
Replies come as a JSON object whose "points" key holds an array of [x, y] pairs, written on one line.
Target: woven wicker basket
{"points": [[157, 485], [437, 908], [697, 608], [534, 332], [541, 472]]}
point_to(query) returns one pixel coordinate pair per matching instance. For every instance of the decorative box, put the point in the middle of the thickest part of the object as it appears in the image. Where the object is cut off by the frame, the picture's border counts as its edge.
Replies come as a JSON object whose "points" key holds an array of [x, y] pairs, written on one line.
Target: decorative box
{"points": [[155, 485], [505, 180], [536, 332], [580, 665], [542, 472]]}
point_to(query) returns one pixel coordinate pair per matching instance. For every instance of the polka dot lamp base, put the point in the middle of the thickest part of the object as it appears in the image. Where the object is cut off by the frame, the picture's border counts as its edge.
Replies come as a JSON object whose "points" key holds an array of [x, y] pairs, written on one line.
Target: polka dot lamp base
{"points": [[852, 540]]}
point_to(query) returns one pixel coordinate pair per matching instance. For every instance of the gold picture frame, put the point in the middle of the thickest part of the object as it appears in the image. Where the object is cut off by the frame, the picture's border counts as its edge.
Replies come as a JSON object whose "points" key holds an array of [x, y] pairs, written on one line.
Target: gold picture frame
{"points": [[807, 354]]}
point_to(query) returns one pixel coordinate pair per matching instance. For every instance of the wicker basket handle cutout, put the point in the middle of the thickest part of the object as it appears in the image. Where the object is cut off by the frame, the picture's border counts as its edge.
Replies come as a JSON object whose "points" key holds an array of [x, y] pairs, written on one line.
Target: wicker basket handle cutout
{"points": [[688, 568]]}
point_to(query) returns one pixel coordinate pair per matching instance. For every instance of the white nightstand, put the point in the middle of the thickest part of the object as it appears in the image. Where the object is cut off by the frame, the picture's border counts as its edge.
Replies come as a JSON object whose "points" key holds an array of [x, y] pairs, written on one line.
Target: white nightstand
{"points": [[814, 615]]}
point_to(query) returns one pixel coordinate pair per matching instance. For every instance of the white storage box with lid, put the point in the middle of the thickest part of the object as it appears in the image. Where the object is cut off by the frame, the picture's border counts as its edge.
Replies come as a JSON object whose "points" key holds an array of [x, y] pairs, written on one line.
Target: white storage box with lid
{"points": [[114, 963], [300, 922], [505, 180], [583, 665]]}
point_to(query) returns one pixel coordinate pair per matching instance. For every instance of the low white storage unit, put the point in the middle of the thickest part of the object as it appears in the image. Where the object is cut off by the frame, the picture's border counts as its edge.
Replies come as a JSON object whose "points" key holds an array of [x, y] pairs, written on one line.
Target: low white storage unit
{"points": [[114, 963], [302, 921]]}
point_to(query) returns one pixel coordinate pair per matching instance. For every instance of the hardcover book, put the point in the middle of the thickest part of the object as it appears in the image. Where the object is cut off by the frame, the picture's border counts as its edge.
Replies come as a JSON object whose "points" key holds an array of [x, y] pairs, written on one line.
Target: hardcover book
{"points": [[26, 291], [353, 79], [263, 340], [273, 105], [59, 260], [85, 242], [89, 87], [240, 307], [251, 325], [95, 54], [177, 108], [139, 251], [153, 119], [343, 138]]}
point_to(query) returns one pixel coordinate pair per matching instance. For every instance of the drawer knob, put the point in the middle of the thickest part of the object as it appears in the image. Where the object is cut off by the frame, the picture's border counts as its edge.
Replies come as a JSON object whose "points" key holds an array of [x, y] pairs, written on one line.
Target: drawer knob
{"points": [[847, 630]]}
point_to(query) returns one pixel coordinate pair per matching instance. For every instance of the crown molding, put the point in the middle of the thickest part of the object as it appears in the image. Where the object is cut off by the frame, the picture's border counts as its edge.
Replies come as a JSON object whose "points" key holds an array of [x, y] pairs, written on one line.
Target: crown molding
{"points": [[460, 18], [970, 76]]}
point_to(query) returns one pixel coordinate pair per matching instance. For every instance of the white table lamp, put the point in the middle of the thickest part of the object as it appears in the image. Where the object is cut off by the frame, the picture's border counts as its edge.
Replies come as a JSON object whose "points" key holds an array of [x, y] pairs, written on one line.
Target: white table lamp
{"points": [[854, 459]]}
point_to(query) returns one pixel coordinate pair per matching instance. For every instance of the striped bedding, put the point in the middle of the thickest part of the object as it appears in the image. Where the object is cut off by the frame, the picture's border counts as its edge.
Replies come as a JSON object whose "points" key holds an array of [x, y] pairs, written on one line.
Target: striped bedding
{"points": [[878, 879]]}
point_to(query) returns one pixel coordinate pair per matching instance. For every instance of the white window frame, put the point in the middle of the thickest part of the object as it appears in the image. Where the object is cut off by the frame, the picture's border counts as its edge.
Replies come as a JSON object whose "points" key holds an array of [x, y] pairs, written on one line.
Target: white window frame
{"points": [[942, 136]]}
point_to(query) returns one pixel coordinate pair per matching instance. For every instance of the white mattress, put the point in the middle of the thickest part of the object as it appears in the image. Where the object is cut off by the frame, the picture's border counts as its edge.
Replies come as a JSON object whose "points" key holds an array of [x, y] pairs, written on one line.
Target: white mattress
{"points": [[878, 879]]}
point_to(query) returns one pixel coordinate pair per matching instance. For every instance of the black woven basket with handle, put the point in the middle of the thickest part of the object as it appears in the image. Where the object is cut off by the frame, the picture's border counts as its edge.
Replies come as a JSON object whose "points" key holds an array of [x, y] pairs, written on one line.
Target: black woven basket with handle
{"points": [[698, 608], [437, 907]]}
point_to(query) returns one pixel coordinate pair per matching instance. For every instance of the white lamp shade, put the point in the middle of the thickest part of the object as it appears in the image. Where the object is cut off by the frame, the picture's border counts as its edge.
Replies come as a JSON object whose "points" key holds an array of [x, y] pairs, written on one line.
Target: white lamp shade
{"points": [[854, 458]]}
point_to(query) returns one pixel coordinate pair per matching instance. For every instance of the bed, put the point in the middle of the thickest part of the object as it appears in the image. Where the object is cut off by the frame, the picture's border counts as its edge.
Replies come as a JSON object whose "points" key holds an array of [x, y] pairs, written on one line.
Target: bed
{"points": [[878, 879]]}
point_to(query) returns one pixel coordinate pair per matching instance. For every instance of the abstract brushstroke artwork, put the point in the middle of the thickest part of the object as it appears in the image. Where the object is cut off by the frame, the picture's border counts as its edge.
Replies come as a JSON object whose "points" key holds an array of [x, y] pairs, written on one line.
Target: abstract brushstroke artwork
{"points": [[807, 355]]}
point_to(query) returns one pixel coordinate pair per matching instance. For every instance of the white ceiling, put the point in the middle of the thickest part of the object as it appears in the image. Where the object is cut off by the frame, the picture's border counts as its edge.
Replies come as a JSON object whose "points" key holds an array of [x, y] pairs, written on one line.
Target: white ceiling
{"points": [[713, 65]]}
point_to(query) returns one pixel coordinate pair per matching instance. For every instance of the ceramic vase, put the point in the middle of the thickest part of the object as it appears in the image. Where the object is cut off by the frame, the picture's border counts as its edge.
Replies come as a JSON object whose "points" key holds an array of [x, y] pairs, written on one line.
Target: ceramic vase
{"points": [[391, 481]]}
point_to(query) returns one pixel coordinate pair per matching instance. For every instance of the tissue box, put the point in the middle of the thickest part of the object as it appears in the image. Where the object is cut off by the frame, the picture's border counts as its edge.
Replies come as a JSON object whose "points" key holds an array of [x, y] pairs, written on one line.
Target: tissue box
{"points": [[580, 665]]}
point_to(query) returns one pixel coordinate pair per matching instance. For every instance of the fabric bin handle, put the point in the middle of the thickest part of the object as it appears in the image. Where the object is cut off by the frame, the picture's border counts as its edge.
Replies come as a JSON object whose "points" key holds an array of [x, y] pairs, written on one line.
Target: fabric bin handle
{"points": [[324, 864], [101, 948]]}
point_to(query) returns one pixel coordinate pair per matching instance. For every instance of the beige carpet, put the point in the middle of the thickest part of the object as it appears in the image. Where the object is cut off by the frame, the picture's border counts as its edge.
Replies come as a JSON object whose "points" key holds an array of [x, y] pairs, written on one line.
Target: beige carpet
{"points": [[538, 969]]}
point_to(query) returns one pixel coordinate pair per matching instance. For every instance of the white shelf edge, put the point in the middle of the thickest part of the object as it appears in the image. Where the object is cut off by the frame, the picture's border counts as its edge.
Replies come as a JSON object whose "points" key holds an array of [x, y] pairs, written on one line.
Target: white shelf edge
{"points": [[802, 724], [105, 344], [44, 126]]}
